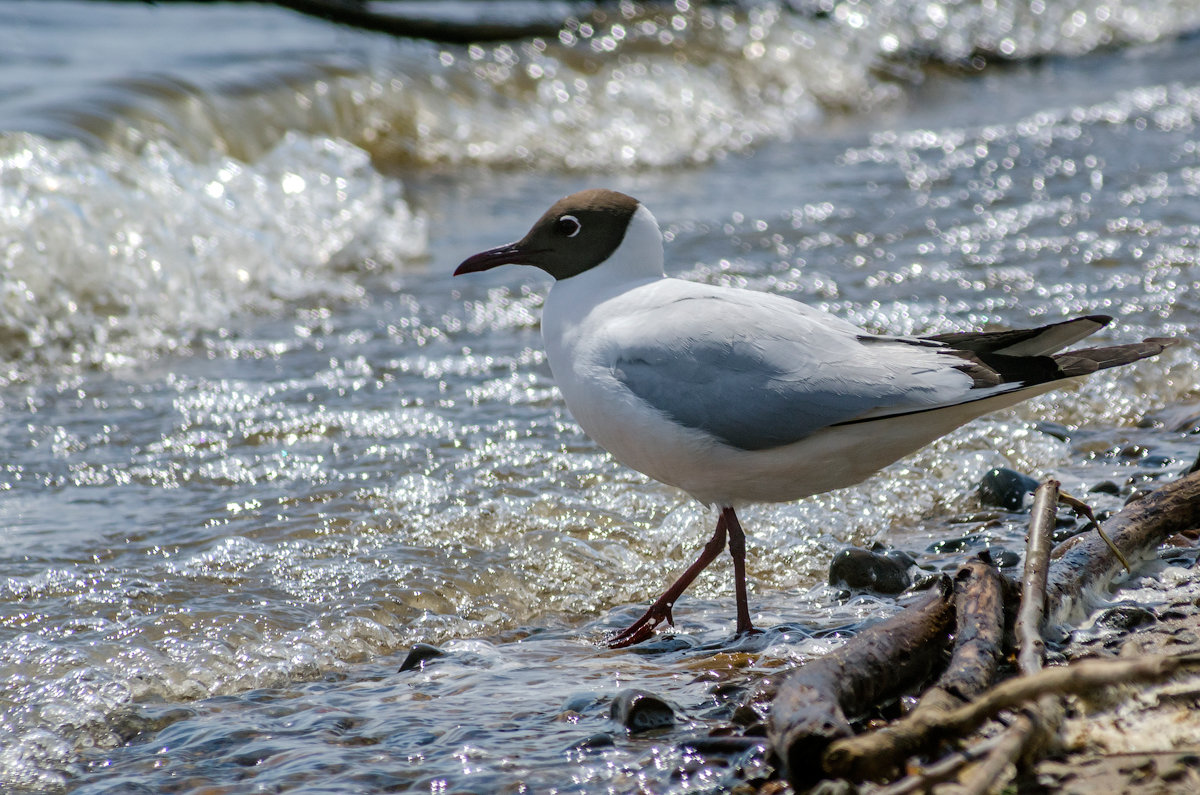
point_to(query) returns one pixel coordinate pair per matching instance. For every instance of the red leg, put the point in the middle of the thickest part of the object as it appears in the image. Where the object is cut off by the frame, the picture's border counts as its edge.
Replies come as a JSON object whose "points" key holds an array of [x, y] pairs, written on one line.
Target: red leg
{"points": [[737, 551], [643, 628]]}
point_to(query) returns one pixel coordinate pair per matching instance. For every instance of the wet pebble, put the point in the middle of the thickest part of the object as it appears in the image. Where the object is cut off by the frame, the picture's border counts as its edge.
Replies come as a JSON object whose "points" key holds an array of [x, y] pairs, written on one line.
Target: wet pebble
{"points": [[598, 740], [727, 745], [664, 644], [1137, 495], [1105, 487], [954, 544], [579, 702], [745, 715], [1060, 432], [1181, 419], [1002, 558], [420, 654], [882, 572], [1061, 534], [639, 711], [1005, 488], [1123, 618]]}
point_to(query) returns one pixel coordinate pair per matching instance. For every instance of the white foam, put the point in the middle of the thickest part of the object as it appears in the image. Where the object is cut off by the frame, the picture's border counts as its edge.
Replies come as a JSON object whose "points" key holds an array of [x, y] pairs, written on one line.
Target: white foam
{"points": [[108, 255]]}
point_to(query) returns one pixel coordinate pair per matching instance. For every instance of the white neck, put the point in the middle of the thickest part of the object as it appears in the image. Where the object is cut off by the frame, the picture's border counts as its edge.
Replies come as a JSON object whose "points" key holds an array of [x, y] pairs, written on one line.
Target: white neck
{"points": [[638, 260], [639, 257]]}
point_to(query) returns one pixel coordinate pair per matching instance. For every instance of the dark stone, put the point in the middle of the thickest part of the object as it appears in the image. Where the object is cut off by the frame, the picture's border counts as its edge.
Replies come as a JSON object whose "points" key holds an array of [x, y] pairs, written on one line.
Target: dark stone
{"points": [[745, 715], [599, 740], [1002, 558], [579, 702], [882, 572], [728, 745], [1005, 488], [419, 655], [1061, 534], [953, 544], [1195, 465], [1105, 487], [664, 644], [1137, 495], [1133, 451], [1123, 618], [1157, 461], [728, 691], [1060, 432], [639, 711]]}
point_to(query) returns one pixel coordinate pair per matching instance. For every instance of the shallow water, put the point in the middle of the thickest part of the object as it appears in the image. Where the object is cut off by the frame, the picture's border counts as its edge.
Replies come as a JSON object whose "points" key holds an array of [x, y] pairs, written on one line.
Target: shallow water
{"points": [[258, 443]]}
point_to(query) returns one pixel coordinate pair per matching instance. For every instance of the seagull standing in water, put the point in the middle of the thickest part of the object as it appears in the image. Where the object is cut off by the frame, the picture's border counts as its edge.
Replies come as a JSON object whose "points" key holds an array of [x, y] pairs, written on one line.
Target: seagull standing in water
{"points": [[737, 396]]}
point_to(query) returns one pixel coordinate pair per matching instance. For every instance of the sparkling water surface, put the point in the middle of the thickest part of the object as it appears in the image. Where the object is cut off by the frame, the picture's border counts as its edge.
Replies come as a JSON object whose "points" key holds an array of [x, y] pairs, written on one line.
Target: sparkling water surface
{"points": [[257, 443]]}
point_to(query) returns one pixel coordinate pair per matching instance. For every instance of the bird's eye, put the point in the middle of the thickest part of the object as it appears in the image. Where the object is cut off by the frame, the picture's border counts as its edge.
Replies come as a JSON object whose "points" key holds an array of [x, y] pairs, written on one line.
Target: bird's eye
{"points": [[567, 226]]}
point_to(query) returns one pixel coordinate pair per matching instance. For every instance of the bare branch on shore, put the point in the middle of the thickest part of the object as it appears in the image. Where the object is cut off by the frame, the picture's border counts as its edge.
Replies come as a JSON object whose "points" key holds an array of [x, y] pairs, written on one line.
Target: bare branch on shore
{"points": [[809, 711]]}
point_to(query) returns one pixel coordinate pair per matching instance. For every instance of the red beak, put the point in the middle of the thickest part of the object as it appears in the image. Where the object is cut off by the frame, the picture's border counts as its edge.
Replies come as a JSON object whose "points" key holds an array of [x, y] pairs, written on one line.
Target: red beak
{"points": [[511, 254]]}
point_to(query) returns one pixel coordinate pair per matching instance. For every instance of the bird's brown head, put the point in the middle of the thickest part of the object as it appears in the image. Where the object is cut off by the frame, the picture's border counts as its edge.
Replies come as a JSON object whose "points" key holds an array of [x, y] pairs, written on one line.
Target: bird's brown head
{"points": [[578, 233]]}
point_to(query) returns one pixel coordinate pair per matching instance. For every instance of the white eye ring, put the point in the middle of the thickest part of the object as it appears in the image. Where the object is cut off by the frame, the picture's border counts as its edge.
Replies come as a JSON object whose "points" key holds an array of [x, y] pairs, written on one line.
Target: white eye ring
{"points": [[563, 221]]}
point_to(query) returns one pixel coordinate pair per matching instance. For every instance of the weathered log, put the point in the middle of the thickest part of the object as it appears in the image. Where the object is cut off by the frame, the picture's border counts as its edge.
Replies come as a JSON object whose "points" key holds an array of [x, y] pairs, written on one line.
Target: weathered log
{"points": [[979, 631], [810, 710], [979, 613], [1085, 562]]}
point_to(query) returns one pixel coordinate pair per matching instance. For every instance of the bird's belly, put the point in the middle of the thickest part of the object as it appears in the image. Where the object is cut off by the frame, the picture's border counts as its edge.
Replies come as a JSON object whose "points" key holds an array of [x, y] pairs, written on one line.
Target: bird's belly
{"points": [[832, 458]]}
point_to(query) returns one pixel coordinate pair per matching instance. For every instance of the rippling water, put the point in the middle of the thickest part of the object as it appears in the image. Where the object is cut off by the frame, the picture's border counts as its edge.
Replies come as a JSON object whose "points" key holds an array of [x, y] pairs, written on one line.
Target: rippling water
{"points": [[257, 443]]}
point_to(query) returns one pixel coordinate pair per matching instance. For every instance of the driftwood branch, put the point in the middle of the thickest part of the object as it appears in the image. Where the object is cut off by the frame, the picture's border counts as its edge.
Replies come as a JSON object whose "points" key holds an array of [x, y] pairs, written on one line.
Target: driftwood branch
{"points": [[923, 779], [979, 631], [1135, 531], [1031, 647], [979, 610], [1037, 723], [810, 710], [1085, 561], [1078, 678]]}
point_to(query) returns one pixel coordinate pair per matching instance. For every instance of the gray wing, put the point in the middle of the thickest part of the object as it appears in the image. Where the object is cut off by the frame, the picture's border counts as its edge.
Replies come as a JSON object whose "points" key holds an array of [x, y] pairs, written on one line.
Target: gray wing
{"points": [[736, 395], [758, 380]]}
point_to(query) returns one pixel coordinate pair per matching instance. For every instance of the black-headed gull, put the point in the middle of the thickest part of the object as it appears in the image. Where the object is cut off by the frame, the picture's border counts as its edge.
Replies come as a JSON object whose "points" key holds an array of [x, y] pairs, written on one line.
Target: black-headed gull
{"points": [[737, 396]]}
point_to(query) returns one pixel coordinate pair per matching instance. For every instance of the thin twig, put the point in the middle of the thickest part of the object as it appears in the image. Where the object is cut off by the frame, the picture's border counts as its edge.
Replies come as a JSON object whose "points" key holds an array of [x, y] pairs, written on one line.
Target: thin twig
{"points": [[1081, 508]]}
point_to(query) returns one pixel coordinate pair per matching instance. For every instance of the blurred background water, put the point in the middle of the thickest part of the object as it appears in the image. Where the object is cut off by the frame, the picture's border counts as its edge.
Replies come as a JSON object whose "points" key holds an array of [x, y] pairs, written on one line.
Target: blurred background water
{"points": [[255, 443]]}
